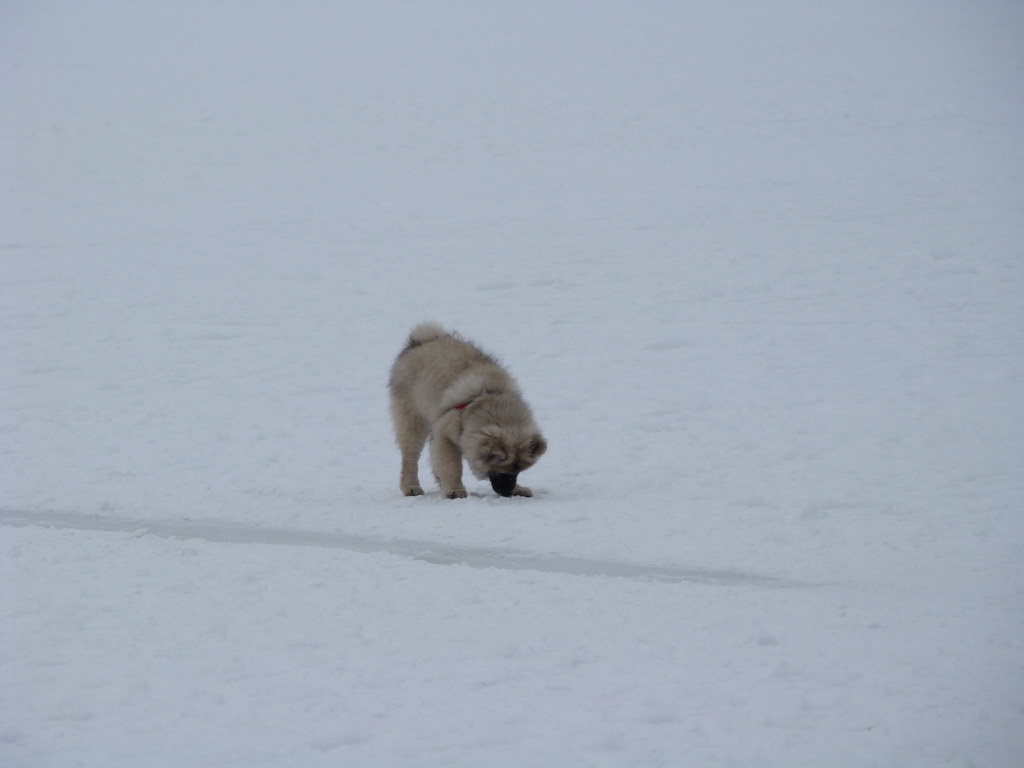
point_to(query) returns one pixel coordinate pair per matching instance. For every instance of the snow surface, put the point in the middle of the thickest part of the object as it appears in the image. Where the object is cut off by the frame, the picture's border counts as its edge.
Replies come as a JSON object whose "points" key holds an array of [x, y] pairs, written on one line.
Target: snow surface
{"points": [[758, 267]]}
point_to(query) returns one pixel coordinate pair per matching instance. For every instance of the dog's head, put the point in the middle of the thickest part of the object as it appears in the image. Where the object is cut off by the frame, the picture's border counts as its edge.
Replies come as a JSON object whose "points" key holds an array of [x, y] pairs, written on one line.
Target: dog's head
{"points": [[501, 453]]}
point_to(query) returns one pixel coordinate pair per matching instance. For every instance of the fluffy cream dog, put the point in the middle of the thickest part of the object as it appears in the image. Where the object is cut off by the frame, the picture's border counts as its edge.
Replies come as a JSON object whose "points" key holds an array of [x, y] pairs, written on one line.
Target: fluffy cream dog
{"points": [[445, 388]]}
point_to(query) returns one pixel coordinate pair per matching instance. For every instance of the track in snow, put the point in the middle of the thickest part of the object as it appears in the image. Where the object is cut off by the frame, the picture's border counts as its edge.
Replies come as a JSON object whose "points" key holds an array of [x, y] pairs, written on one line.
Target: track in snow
{"points": [[424, 551]]}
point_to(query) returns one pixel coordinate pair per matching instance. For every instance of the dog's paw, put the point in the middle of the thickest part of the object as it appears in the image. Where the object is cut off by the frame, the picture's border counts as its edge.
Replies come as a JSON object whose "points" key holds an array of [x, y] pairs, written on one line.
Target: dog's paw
{"points": [[522, 490], [458, 493], [413, 490]]}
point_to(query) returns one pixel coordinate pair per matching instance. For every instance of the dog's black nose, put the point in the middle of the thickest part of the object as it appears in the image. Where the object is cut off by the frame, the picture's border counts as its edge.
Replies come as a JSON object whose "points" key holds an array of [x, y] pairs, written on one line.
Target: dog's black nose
{"points": [[503, 483]]}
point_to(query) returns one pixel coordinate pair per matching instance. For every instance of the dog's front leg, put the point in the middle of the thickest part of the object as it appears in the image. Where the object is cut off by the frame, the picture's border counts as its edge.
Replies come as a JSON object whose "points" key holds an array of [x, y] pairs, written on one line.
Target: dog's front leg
{"points": [[446, 459]]}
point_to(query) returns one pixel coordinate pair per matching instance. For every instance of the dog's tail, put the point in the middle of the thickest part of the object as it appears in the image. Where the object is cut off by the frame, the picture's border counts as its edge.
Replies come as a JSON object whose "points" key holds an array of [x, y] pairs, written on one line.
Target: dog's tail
{"points": [[425, 332]]}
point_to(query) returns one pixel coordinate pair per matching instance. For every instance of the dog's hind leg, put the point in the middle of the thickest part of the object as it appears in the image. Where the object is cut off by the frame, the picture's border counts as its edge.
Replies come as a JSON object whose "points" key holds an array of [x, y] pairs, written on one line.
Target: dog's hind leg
{"points": [[446, 458], [411, 434]]}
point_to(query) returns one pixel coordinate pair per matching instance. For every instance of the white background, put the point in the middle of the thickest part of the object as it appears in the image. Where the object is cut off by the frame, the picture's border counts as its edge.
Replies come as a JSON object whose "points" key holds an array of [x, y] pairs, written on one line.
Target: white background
{"points": [[757, 265]]}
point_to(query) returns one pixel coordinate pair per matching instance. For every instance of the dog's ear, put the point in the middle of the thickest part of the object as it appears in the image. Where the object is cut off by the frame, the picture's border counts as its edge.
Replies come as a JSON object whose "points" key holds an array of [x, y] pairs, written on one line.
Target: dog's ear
{"points": [[537, 446]]}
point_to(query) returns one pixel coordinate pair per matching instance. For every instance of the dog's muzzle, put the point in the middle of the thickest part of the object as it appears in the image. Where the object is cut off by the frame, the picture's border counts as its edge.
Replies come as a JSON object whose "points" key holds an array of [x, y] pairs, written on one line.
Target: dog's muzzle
{"points": [[502, 483]]}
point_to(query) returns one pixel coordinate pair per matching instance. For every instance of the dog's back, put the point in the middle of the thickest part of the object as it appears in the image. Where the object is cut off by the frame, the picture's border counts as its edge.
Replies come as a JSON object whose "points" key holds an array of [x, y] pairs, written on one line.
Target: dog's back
{"points": [[437, 366]]}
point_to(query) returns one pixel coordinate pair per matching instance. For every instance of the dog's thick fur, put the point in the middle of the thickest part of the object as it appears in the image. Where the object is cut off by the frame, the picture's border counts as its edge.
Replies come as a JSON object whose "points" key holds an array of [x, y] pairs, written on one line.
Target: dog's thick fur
{"points": [[445, 388]]}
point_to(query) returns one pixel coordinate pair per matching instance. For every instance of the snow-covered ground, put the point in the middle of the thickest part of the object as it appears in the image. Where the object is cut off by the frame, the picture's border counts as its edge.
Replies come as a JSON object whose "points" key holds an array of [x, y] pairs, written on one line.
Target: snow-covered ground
{"points": [[759, 268]]}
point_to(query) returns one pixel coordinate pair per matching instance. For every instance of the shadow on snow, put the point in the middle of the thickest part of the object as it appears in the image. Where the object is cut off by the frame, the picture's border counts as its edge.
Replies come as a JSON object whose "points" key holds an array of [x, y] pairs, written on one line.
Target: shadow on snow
{"points": [[423, 551]]}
